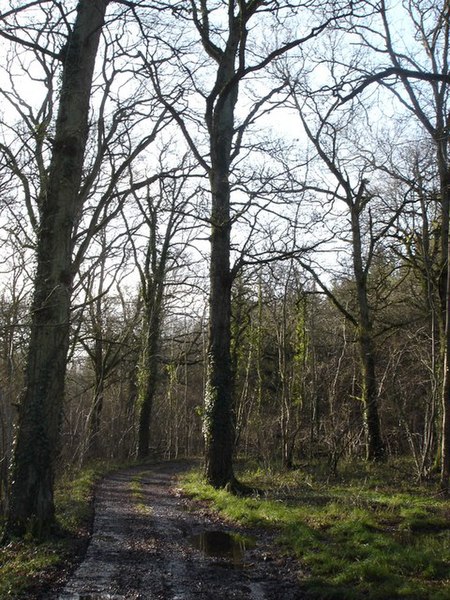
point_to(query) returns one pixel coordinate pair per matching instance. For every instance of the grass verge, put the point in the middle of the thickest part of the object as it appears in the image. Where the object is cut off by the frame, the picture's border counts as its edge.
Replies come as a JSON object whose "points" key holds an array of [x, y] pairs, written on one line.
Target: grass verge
{"points": [[371, 534], [138, 495], [28, 567]]}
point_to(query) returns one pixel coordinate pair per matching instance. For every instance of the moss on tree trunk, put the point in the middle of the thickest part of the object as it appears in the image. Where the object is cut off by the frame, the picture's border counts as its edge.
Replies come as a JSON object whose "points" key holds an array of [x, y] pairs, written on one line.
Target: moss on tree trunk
{"points": [[31, 506]]}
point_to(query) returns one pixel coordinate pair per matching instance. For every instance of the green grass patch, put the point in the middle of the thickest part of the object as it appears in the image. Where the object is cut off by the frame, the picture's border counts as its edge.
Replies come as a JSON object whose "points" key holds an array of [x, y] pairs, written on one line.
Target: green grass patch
{"points": [[371, 534], [138, 495], [22, 564], [73, 495]]}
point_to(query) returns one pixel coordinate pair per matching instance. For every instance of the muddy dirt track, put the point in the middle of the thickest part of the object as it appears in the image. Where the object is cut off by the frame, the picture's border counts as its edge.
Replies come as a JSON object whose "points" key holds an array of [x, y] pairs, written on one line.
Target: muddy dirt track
{"points": [[149, 543]]}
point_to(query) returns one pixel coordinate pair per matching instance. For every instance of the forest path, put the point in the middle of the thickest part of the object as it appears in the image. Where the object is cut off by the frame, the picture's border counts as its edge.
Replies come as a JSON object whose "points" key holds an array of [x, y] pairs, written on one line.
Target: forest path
{"points": [[144, 542]]}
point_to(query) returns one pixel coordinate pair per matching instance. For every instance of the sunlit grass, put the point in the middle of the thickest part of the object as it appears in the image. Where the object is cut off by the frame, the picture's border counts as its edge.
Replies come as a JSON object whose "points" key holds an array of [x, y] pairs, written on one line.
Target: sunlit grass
{"points": [[21, 564], [371, 534], [137, 494]]}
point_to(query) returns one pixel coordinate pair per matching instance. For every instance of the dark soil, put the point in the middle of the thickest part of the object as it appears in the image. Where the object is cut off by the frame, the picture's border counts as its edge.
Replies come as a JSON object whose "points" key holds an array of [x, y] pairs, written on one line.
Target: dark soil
{"points": [[144, 545]]}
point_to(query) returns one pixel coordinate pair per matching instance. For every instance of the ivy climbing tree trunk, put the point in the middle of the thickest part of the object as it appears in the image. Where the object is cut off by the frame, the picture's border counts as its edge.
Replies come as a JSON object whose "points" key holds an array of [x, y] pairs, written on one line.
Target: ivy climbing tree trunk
{"points": [[218, 423], [223, 29], [148, 368], [31, 504]]}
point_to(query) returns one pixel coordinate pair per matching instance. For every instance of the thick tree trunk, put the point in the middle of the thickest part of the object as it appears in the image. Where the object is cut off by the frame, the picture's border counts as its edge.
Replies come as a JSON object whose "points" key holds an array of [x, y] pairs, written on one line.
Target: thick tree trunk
{"points": [[31, 506], [369, 395], [374, 443], [218, 425], [218, 420], [148, 376]]}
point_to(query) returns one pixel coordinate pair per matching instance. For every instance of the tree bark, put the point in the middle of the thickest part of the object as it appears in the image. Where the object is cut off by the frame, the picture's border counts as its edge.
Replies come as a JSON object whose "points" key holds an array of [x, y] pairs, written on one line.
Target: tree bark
{"points": [[369, 395], [148, 373], [445, 432], [153, 283], [218, 420], [218, 424], [374, 442], [93, 432], [31, 505]]}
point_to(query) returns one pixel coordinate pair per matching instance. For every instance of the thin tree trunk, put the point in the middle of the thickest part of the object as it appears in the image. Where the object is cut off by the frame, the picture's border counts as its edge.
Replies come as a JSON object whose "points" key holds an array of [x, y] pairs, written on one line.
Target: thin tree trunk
{"points": [[374, 443], [31, 505], [93, 433], [98, 360], [444, 175], [445, 432]]}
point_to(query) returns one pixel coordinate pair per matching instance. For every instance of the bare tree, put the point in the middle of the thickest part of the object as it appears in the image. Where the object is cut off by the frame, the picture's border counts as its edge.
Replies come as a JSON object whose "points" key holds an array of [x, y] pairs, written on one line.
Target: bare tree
{"points": [[31, 504], [225, 32], [82, 157], [160, 233], [417, 244], [329, 131], [101, 326], [417, 74]]}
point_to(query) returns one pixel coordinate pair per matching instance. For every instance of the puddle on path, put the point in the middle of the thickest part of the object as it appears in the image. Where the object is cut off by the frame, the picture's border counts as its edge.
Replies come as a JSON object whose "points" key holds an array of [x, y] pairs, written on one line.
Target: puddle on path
{"points": [[223, 544]]}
